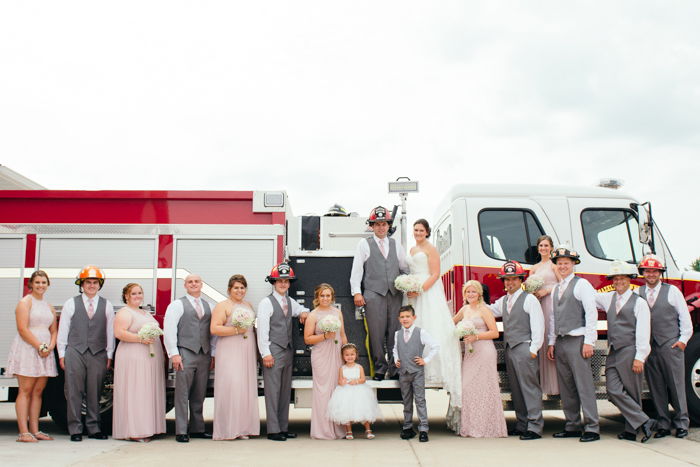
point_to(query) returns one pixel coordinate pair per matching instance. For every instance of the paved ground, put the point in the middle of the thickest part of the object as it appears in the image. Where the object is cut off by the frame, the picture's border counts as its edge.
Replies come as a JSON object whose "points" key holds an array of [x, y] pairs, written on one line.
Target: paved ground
{"points": [[387, 449]]}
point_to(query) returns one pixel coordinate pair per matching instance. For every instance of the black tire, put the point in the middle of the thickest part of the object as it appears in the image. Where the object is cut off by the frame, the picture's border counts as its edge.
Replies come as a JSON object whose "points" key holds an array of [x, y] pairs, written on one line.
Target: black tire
{"points": [[692, 378]]}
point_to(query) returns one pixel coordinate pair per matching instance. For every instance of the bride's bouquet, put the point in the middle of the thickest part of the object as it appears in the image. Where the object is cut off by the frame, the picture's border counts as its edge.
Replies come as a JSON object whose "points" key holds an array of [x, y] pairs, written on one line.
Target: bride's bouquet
{"points": [[408, 283], [243, 318], [466, 328], [329, 323], [533, 284], [150, 331]]}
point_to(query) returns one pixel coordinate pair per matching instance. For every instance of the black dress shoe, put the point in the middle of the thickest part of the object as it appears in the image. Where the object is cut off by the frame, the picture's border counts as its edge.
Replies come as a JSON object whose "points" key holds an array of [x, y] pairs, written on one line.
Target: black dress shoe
{"points": [[528, 435], [515, 432], [276, 437], [408, 434], [627, 436], [567, 434], [589, 436], [394, 377], [76, 437], [288, 434], [647, 429], [202, 435], [182, 438], [681, 433], [98, 435], [378, 377], [662, 433], [423, 437]]}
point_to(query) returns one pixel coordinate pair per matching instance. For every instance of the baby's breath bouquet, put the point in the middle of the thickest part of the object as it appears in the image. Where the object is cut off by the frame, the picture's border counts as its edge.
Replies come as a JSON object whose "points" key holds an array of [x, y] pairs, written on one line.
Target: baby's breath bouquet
{"points": [[150, 331]]}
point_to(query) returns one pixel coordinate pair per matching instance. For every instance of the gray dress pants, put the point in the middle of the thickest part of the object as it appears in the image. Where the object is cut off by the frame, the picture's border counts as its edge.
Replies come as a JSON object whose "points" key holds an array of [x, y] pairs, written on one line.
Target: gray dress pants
{"points": [[278, 389], [84, 379], [665, 372], [413, 390], [625, 386], [576, 386], [190, 391], [382, 313], [523, 374]]}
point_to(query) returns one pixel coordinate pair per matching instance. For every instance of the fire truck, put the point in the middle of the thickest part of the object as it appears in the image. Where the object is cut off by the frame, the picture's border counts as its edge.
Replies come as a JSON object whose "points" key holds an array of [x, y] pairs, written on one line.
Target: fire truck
{"points": [[156, 238]]}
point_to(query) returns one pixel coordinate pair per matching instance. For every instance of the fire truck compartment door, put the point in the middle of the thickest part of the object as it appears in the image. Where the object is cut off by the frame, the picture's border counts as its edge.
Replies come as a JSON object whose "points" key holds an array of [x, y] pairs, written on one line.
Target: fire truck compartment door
{"points": [[11, 264]]}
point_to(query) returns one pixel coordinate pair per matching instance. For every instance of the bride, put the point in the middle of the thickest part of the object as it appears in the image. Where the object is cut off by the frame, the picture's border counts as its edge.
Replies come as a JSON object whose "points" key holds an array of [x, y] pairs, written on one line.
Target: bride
{"points": [[434, 316]]}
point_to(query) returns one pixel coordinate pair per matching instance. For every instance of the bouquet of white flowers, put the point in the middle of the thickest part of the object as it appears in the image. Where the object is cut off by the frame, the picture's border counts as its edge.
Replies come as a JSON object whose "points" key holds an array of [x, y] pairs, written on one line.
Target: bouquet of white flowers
{"points": [[533, 284], [150, 331], [408, 283], [243, 318], [329, 323], [466, 328]]}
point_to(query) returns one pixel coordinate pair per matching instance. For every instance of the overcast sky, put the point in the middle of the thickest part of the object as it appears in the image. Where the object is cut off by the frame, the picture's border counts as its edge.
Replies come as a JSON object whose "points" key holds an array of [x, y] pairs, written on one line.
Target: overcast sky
{"points": [[330, 100]]}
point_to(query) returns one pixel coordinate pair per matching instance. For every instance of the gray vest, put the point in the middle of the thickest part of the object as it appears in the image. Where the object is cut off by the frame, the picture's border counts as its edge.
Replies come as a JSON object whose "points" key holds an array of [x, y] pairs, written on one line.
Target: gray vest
{"points": [[193, 333], [281, 325], [622, 326], [664, 317], [380, 273], [85, 333], [569, 313], [409, 350], [516, 324]]}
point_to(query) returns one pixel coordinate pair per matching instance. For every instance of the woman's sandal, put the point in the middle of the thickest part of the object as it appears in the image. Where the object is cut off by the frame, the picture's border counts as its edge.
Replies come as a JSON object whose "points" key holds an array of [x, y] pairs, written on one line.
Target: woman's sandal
{"points": [[26, 438], [369, 434], [348, 435], [41, 436]]}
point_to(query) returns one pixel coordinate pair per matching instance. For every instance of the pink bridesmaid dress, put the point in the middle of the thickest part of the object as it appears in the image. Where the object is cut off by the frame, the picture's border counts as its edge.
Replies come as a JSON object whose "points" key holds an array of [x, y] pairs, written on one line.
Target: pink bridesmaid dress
{"points": [[236, 387], [23, 359], [139, 385], [325, 364], [548, 368]]}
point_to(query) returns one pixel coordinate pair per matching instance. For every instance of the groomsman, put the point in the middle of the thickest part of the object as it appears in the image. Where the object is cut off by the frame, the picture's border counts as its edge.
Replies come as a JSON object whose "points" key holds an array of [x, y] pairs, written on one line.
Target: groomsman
{"points": [[572, 336], [274, 333], [523, 334], [190, 348], [85, 345], [378, 261], [628, 348], [671, 329]]}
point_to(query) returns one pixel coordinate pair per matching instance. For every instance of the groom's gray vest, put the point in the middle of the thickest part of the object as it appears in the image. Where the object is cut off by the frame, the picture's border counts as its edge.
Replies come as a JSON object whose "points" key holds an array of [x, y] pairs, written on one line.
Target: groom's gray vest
{"points": [[280, 325], [569, 313], [193, 333], [516, 323], [85, 333], [409, 350], [622, 325], [664, 317], [380, 272]]}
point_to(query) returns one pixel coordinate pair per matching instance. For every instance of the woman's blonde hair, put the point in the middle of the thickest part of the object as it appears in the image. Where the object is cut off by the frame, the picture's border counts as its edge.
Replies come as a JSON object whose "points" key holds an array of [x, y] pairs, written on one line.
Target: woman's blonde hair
{"points": [[479, 289], [320, 288]]}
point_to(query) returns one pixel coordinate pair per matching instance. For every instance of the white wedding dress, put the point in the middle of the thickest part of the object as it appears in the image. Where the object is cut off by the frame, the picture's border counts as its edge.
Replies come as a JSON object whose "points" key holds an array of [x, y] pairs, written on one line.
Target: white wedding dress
{"points": [[433, 315]]}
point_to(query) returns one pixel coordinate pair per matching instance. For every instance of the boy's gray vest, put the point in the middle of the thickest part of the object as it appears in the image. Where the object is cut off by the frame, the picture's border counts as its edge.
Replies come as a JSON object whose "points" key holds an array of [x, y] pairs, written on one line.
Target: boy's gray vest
{"points": [[569, 313], [409, 350], [193, 333], [85, 333], [622, 326], [380, 273], [281, 325], [516, 324], [664, 317]]}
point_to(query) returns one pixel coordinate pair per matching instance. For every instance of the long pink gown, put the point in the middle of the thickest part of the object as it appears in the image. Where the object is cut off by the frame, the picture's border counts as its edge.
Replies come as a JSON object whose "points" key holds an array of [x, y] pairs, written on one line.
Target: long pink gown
{"points": [[482, 409], [236, 387], [23, 359], [139, 385], [548, 369], [325, 363]]}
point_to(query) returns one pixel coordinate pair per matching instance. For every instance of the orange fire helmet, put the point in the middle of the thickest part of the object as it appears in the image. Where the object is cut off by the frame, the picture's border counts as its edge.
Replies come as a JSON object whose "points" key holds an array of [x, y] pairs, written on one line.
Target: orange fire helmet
{"points": [[90, 272]]}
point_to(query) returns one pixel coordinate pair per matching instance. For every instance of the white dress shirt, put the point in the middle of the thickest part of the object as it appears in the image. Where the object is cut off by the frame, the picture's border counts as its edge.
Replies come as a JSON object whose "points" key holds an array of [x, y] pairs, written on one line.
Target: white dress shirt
{"points": [[263, 320], [66, 316], [361, 255], [676, 300], [533, 308], [642, 333], [172, 317], [431, 346], [585, 293]]}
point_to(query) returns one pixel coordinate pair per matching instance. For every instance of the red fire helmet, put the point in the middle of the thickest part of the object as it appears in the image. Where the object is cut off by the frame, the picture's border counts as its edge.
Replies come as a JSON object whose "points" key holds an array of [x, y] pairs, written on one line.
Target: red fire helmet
{"points": [[512, 269], [281, 271], [379, 214], [651, 262]]}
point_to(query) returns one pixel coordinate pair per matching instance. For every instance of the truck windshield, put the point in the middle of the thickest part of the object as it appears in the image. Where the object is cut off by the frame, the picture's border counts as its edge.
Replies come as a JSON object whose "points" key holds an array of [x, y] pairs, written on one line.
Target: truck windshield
{"points": [[510, 234], [611, 234]]}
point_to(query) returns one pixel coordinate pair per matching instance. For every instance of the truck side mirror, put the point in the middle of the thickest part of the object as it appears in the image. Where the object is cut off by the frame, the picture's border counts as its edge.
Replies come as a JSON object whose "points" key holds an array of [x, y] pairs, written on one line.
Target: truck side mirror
{"points": [[645, 224]]}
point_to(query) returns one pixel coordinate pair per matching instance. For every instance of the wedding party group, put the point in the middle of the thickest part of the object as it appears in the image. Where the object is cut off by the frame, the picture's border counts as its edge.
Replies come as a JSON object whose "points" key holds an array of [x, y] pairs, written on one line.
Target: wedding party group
{"points": [[549, 335]]}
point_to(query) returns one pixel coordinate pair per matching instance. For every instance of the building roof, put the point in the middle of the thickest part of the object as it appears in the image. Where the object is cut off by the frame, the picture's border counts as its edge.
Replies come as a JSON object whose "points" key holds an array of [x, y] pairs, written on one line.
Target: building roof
{"points": [[11, 180]]}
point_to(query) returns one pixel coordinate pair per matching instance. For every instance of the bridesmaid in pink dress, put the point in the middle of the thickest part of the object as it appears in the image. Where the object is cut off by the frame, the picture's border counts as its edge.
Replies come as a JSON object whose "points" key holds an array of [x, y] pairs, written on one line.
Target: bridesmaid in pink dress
{"points": [[546, 270], [482, 409], [31, 357], [139, 378], [236, 380], [325, 362]]}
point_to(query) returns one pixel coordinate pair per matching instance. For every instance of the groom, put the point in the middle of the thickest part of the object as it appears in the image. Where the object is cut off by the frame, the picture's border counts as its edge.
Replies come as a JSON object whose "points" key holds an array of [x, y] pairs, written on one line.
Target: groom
{"points": [[378, 261]]}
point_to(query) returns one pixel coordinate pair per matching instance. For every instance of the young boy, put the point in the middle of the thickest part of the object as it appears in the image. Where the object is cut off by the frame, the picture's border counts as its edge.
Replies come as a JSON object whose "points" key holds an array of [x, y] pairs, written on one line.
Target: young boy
{"points": [[410, 355]]}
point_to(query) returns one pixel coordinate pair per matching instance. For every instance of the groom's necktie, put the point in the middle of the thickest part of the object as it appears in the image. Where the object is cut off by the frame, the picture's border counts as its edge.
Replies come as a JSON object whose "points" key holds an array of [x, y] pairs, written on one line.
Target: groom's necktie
{"points": [[510, 302], [382, 249]]}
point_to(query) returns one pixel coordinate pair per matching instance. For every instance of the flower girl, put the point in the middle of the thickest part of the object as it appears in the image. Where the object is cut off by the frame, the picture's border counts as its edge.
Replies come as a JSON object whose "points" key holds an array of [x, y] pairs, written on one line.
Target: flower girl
{"points": [[353, 401]]}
